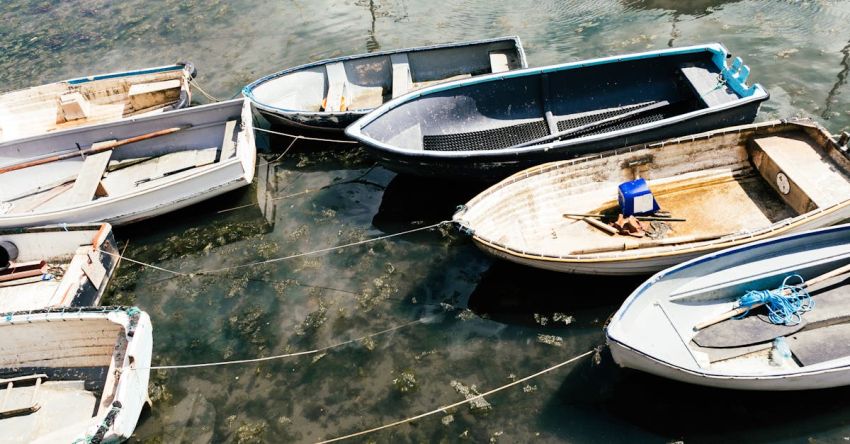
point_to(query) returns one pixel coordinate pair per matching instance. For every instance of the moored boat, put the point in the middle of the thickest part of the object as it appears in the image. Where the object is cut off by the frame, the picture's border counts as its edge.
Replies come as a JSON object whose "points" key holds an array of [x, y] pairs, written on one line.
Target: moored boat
{"points": [[330, 94], [94, 99], [487, 127], [67, 266], [692, 323], [724, 188], [73, 375], [129, 170]]}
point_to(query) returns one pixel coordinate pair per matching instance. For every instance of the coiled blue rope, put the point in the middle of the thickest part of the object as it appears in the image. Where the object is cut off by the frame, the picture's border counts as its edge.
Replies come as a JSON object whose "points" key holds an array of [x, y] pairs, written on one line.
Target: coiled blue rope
{"points": [[785, 305]]}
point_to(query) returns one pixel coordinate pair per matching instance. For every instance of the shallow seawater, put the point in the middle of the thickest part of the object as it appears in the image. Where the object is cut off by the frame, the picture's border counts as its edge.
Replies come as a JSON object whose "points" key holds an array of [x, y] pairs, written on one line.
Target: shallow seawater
{"points": [[463, 319]]}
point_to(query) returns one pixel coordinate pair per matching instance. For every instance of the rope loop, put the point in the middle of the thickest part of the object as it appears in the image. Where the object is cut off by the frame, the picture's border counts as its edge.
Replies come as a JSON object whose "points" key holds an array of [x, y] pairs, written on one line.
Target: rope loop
{"points": [[785, 304]]}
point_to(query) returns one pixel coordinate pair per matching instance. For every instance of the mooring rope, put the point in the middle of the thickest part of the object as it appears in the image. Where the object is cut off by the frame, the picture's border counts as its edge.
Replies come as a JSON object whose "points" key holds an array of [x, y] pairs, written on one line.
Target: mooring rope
{"points": [[194, 83], [459, 403], [278, 259], [319, 139], [287, 355]]}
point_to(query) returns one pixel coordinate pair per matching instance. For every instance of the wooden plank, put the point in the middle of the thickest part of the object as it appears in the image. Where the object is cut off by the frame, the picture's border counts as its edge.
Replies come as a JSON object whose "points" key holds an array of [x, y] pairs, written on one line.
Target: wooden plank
{"points": [[88, 180], [94, 270], [43, 199], [74, 106], [402, 80], [127, 179], [821, 344], [228, 146], [750, 330], [499, 61], [337, 81], [811, 178], [146, 95]]}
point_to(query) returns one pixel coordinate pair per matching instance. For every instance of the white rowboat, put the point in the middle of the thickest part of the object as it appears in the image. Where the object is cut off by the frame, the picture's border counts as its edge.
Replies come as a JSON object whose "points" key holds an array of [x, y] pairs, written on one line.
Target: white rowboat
{"points": [[73, 376], [732, 186], [208, 151], [654, 329]]}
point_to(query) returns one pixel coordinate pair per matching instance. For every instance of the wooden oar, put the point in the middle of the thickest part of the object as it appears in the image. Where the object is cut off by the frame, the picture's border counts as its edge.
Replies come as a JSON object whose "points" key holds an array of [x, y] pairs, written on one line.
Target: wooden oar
{"points": [[643, 218], [104, 147], [739, 311], [593, 125]]}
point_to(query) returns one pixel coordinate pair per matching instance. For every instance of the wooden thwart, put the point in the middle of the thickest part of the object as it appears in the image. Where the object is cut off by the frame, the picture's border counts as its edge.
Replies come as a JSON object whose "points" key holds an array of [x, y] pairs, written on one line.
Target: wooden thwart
{"points": [[337, 84], [228, 144], [499, 61], [402, 81], [88, 181]]}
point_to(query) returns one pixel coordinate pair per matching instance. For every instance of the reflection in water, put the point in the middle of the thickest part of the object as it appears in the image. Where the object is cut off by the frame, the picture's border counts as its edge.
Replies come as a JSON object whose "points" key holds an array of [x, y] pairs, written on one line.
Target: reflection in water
{"points": [[841, 79]]}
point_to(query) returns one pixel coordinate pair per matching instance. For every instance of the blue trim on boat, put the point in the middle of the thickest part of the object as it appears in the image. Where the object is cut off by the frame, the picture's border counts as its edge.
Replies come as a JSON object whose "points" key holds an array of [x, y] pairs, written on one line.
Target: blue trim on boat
{"points": [[80, 80]]}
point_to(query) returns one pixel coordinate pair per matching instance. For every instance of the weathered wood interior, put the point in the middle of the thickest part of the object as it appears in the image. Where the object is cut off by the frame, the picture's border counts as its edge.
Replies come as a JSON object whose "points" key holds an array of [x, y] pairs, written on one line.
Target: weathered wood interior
{"points": [[63, 105], [721, 185], [58, 369]]}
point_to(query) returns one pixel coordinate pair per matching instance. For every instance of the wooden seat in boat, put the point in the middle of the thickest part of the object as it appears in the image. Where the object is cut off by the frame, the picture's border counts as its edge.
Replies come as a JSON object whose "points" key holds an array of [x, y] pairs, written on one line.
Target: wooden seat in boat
{"points": [[499, 61], [707, 86], [335, 100], [799, 171], [402, 81], [146, 95]]}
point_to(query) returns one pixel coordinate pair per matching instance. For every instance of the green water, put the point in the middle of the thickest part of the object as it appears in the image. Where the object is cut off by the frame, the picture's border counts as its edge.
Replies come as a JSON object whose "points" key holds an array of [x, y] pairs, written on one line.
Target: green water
{"points": [[481, 319]]}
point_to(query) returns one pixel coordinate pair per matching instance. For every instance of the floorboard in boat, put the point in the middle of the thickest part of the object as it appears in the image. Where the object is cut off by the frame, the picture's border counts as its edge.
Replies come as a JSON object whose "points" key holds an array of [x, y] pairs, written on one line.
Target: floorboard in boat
{"points": [[65, 407], [717, 209]]}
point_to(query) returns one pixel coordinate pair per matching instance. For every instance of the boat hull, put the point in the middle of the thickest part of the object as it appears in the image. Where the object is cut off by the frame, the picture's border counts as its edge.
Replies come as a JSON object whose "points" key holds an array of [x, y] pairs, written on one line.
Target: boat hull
{"points": [[648, 265], [494, 167], [827, 378]]}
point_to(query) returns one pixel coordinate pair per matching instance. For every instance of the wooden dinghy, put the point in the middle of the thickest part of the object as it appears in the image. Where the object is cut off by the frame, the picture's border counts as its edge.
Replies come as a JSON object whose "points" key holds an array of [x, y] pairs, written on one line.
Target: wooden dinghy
{"points": [[94, 99], [130, 170], [67, 266], [73, 376], [731, 187], [669, 325], [488, 127], [330, 94]]}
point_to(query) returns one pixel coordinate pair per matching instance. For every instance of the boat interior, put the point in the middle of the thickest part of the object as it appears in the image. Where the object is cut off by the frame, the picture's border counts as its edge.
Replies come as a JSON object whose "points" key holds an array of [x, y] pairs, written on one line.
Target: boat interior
{"points": [[50, 392], [721, 185], [55, 268], [64, 105], [363, 83], [690, 298], [572, 102], [117, 172]]}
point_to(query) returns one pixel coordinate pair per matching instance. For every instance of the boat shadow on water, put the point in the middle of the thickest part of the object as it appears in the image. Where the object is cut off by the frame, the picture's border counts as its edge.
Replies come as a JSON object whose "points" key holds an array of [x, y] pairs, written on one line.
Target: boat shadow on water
{"points": [[593, 396], [513, 293]]}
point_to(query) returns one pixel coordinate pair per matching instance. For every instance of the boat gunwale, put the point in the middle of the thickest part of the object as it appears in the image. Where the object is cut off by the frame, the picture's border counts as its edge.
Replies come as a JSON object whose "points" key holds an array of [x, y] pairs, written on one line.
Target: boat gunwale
{"points": [[247, 91]]}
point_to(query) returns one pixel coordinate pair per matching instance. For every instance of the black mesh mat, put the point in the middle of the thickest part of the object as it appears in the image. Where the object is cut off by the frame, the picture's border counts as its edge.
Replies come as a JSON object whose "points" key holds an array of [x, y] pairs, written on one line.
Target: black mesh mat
{"points": [[635, 121], [488, 139], [576, 122]]}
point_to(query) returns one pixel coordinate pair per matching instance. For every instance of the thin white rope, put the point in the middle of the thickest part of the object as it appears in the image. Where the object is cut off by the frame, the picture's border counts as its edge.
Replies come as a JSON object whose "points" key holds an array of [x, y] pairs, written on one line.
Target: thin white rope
{"points": [[305, 137], [278, 259], [287, 355], [194, 83], [459, 403]]}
